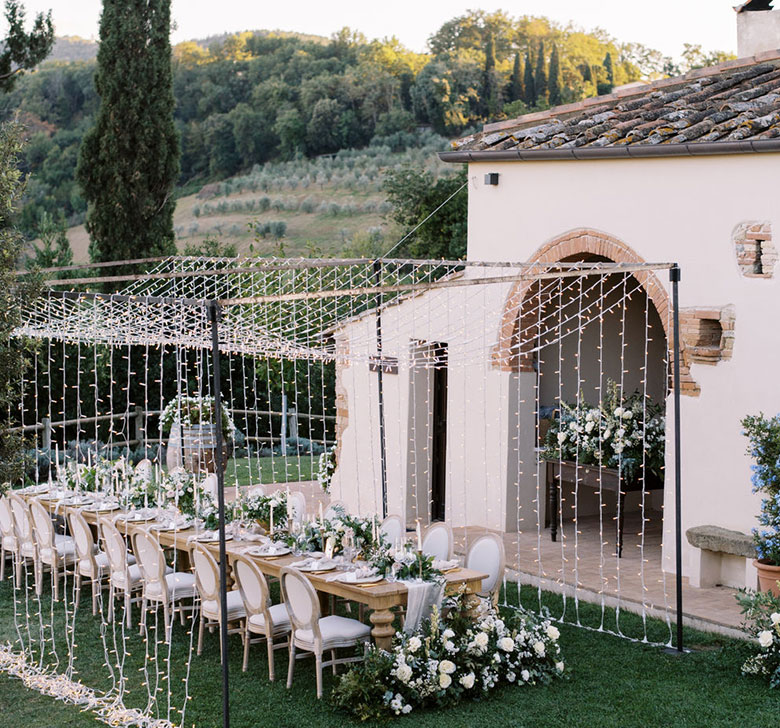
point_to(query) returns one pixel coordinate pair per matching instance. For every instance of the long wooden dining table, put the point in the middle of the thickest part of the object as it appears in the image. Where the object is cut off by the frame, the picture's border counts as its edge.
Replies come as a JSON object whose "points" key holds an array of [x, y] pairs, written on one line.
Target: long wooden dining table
{"points": [[380, 597]]}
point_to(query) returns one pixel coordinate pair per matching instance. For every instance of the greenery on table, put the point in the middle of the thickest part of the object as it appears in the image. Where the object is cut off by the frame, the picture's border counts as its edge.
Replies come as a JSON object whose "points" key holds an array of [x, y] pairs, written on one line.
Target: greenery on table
{"points": [[610, 681], [403, 562], [257, 507], [763, 435], [341, 529], [185, 493], [623, 432]]}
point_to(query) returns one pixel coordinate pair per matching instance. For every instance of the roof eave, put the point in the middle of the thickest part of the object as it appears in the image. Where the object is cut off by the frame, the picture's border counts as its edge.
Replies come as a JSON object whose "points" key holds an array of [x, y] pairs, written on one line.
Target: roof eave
{"points": [[628, 151]]}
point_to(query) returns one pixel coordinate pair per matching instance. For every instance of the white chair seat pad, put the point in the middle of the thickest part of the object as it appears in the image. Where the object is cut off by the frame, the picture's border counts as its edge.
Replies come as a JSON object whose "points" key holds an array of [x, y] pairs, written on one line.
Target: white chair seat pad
{"points": [[279, 617], [180, 586], [235, 607], [336, 632], [134, 572], [65, 548]]}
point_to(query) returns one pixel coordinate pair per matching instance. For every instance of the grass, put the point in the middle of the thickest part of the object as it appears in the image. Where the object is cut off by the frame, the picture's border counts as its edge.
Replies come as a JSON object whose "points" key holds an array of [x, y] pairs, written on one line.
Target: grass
{"points": [[610, 682], [277, 469]]}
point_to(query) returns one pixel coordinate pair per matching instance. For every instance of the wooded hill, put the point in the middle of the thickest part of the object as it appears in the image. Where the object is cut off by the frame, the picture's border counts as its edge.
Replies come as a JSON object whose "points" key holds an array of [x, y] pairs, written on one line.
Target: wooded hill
{"points": [[254, 97]]}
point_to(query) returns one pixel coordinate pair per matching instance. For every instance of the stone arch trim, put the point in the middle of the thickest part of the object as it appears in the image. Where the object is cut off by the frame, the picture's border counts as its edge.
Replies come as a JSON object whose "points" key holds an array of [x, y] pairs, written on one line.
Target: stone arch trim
{"points": [[518, 329]]}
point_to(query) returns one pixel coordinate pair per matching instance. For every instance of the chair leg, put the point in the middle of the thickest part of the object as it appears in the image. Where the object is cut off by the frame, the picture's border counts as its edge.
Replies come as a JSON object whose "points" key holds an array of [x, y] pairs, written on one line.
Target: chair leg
{"points": [[318, 658], [200, 635], [111, 605], [181, 616], [333, 660], [56, 574], [269, 643], [2, 564], [129, 609], [78, 591], [143, 616], [247, 637], [95, 587], [167, 623], [291, 665]]}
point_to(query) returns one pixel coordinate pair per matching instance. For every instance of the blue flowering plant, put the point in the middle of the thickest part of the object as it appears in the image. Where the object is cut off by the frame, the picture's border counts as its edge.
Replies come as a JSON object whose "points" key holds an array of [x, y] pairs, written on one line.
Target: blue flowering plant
{"points": [[763, 435]]}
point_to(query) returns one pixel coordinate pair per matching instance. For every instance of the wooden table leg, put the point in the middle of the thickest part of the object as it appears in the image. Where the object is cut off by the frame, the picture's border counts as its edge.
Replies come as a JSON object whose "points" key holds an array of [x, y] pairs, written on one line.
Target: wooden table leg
{"points": [[382, 630]]}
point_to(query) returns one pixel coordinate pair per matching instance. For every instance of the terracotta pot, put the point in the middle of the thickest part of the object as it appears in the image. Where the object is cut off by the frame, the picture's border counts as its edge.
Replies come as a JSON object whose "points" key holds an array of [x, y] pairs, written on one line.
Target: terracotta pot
{"points": [[768, 576]]}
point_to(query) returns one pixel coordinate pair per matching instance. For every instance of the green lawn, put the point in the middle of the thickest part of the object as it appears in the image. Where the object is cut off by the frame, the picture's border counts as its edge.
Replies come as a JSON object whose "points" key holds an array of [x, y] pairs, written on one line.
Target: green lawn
{"points": [[611, 682], [277, 469]]}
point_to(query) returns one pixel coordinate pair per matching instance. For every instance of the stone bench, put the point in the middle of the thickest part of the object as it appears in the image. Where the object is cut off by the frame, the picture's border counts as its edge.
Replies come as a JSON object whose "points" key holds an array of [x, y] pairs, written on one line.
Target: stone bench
{"points": [[724, 557]]}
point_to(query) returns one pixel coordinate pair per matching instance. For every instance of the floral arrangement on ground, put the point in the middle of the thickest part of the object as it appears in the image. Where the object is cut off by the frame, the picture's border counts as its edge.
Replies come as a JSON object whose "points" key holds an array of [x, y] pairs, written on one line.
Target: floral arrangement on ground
{"points": [[762, 622], [626, 433], [194, 411], [326, 466], [451, 658]]}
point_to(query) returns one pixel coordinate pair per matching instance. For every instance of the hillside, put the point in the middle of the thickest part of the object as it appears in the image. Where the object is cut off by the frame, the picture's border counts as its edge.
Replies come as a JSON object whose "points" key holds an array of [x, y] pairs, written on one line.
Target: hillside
{"points": [[328, 205]]}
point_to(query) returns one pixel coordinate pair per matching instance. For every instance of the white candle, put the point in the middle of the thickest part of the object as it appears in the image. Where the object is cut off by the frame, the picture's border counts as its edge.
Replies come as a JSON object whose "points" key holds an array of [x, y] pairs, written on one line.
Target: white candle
{"points": [[373, 528], [57, 459], [321, 518], [289, 505], [271, 525], [419, 536]]}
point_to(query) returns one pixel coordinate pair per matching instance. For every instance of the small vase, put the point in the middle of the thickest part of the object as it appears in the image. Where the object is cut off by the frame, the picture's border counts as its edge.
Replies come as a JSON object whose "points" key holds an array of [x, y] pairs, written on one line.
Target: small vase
{"points": [[768, 576]]}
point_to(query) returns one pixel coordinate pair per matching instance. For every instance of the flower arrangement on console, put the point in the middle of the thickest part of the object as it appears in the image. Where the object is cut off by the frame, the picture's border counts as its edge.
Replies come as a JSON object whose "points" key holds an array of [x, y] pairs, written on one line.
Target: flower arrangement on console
{"points": [[326, 466], [194, 411], [763, 435], [451, 658], [762, 622], [620, 432]]}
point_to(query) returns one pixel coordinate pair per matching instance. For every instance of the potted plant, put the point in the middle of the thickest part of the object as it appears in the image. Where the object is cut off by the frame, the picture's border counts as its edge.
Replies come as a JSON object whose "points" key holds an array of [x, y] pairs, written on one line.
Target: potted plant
{"points": [[195, 416], [764, 447]]}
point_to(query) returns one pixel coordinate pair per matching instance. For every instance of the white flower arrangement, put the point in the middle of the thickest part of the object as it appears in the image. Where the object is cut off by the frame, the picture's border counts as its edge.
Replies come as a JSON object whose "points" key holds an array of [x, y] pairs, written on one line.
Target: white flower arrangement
{"points": [[194, 411], [326, 466]]}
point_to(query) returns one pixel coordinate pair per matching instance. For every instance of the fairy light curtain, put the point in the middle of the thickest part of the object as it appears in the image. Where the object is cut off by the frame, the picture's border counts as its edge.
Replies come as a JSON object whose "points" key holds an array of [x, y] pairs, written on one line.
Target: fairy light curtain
{"points": [[494, 378]]}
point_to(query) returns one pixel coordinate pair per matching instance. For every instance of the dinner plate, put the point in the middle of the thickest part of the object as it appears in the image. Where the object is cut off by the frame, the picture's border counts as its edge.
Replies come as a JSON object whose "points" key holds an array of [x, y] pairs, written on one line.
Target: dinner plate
{"points": [[162, 527], [362, 580], [76, 501], [260, 551], [313, 569], [213, 539], [101, 508], [136, 518]]}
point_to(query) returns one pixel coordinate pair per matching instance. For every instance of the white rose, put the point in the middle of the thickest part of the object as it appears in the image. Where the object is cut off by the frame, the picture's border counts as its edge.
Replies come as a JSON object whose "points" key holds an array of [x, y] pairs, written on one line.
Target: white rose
{"points": [[467, 681], [449, 645], [447, 667], [552, 632], [559, 666], [628, 414], [444, 680], [404, 673], [414, 644], [407, 708], [539, 648], [561, 438], [607, 433], [510, 676], [765, 638], [447, 634], [525, 675], [775, 617], [480, 640], [507, 644], [618, 411]]}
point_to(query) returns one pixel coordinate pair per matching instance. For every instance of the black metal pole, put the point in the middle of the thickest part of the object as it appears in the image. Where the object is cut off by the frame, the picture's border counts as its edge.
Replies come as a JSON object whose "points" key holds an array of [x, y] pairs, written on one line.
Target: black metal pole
{"points": [[214, 312], [674, 277], [380, 383]]}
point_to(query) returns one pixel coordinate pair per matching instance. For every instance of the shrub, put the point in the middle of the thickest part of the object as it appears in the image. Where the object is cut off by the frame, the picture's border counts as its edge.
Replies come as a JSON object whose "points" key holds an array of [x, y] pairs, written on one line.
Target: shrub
{"points": [[762, 622]]}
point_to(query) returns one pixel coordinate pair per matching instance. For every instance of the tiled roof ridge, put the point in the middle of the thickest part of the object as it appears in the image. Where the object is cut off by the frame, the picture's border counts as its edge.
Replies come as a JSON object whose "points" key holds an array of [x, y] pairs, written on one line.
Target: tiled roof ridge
{"points": [[625, 93]]}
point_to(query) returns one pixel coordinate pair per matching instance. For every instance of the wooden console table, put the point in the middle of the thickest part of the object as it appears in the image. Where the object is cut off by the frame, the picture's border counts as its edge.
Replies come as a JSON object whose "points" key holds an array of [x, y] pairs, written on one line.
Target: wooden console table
{"points": [[591, 476]]}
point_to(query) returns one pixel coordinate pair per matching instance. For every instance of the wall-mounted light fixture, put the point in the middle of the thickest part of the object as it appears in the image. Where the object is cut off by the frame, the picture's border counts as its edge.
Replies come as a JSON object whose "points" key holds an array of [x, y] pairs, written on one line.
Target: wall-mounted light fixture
{"points": [[491, 178]]}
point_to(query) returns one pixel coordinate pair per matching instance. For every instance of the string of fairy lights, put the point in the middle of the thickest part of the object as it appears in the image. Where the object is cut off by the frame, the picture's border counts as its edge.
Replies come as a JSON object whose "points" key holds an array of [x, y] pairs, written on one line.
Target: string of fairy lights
{"points": [[517, 341]]}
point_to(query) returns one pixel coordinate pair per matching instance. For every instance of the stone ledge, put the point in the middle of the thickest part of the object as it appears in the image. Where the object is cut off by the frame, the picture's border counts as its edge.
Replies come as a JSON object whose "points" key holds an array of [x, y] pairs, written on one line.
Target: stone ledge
{"points": [[723, 540]]}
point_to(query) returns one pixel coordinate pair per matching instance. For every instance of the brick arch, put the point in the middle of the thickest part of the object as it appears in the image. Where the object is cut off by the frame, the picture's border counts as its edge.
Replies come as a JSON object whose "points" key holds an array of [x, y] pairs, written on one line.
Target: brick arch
{"points": [[523, 300]]}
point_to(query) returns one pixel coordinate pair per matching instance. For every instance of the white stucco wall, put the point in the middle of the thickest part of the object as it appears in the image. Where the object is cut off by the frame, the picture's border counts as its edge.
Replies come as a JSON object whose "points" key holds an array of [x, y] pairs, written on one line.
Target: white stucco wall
{"points": [[666, 209]]}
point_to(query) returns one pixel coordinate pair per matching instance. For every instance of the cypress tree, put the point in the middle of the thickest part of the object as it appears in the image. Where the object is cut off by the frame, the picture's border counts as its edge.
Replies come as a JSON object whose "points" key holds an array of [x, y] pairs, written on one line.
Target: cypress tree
{"points": [[540, 75], [490, 92], [129, 161], [554, 82], [529, 90], [609, 68], [516, 82]]}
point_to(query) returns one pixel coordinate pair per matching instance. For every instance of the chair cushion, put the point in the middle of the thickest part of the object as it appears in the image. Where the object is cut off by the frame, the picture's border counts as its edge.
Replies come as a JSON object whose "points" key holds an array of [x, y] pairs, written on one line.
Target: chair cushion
{"points": [[235, 607], [65, 548], [134, 572], [336, 632], [279, 617], [181, 585]]}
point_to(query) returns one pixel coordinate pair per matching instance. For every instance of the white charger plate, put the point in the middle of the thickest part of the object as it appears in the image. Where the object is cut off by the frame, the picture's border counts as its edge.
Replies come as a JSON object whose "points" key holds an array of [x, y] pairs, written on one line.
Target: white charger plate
{"points": [[260, 551]]}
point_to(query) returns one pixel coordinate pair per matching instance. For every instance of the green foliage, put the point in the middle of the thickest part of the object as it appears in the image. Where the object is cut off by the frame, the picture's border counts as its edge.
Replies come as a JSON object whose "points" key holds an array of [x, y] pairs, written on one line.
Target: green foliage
{"points": [[554, 80], [13, 291], [529, 84], [540, 75], [23, 51], [762, 621], [129, 161], [516, 89], [414, 195], [55, 250]]}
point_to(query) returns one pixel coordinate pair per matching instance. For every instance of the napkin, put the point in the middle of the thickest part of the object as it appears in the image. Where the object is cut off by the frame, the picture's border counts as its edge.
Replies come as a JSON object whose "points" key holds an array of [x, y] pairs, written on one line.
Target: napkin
{"points": [[422, 597]]}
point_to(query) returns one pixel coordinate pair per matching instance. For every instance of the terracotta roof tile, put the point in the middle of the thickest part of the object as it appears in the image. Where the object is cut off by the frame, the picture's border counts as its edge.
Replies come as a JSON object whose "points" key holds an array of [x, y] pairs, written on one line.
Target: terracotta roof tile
{"points": [[736, 100]]}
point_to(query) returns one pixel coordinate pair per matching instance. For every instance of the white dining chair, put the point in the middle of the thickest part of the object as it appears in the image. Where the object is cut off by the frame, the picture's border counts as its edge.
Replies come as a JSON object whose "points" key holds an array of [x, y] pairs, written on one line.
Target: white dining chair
{"points": [[437, 541], [145, 469], [487, 555], [335, 509], [393, 529], [90, 564], [263, 618], [207, 582], [56, 551], [9, 543], [298, 501], [210, 485], [161, 587], [25, 536], [313, 633], [125, 578]]}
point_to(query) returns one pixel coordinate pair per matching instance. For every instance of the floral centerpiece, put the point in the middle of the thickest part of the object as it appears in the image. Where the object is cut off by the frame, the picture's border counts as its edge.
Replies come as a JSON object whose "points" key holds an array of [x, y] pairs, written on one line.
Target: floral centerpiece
{"points": [[136, 491], [626, 433], [342, 530], [97, 476], [256, 506], [195, 411], [403, 562], [764, 447], [326, 466], [452, 658], [181, 491]]}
